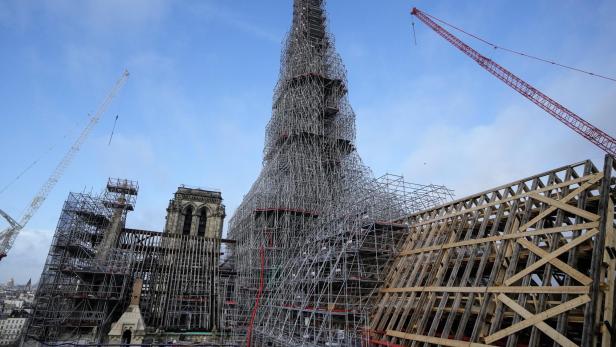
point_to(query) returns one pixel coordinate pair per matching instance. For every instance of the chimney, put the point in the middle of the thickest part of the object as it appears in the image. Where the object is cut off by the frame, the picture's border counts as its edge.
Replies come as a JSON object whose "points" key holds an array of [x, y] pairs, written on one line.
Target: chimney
{"points": [[136, 295]]}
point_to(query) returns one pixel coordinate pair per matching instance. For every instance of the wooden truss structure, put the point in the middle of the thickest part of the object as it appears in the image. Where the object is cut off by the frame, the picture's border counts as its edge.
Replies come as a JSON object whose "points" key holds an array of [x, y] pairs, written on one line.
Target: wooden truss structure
{"points": [[531, 263]]}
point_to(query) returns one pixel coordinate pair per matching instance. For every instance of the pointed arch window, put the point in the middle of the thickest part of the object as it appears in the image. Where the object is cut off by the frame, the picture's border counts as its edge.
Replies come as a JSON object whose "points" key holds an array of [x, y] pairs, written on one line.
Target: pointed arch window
{"points": [[202, 222], [187, 220]]}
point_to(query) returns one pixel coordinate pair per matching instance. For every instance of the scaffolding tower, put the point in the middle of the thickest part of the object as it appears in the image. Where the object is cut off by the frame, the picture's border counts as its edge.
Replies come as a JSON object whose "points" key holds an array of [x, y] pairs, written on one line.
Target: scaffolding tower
{"points": [[85, 277], [181, 280], [315, 224], [94, 260], [327, 288]]}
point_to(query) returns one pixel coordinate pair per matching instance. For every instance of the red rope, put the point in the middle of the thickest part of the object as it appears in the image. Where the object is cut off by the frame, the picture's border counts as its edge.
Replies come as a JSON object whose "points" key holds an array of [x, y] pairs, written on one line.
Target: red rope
{"points": [[254, 310]]}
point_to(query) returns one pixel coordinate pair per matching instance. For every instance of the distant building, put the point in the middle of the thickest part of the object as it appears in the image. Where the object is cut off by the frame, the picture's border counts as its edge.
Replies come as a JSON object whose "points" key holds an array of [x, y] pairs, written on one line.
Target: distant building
{"points": [[10, 329], [27, 298], [14, 303], [9, 305]]}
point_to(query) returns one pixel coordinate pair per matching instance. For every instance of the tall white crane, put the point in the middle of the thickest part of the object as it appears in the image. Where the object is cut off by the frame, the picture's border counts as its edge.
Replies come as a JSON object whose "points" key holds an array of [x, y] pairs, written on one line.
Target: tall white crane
{"points": [[8, 235]]}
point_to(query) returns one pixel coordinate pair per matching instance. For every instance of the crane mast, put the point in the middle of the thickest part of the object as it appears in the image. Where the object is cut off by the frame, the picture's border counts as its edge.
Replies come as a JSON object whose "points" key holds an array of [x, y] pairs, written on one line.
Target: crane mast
{"points": [[556, 110], [7, 236]]}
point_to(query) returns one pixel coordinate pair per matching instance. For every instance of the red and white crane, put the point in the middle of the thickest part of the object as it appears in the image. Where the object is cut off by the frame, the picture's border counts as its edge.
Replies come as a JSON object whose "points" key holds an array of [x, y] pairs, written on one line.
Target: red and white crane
{"points": [[556, 110]]}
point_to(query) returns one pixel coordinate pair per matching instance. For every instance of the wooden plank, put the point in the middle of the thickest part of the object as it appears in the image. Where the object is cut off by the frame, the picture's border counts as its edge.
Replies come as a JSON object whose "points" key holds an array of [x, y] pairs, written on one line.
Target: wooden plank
{"points": [[574, 193], [548, 330], [610, 281], [592, 179], [547, 257], [540, 317], [499, 289], [591, 325], [409, 301], [453, 316], [503, 237], [416, 272], [580, 277], [434, 340], [563, 206]]}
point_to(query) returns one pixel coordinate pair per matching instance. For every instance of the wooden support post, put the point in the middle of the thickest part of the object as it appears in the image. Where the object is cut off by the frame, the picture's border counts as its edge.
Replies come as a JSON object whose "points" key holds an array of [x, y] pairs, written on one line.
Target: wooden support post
{"points": [[589, 333], [609, 337]]}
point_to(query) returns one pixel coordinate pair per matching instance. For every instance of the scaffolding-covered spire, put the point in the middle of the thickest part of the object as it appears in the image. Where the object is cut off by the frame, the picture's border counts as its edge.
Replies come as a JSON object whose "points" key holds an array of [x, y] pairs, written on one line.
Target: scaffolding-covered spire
{"points": [[310, 163], [309, 20], [309, 204], [308, 47]]}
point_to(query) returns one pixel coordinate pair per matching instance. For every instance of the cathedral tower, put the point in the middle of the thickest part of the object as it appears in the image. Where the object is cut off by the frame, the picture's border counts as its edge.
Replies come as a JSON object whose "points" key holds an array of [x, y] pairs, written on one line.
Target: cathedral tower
{"points": [[194, 211]]}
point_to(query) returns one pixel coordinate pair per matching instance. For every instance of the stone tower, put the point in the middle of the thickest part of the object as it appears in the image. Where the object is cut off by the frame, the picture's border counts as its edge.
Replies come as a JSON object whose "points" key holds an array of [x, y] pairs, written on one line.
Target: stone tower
{"points": [[194, 211], [188, 276]]}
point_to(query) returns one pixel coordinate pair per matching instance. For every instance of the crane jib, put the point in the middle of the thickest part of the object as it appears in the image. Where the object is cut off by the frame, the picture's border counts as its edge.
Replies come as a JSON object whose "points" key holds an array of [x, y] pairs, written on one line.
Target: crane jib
{"points": [[593, 134], [7, 236]]}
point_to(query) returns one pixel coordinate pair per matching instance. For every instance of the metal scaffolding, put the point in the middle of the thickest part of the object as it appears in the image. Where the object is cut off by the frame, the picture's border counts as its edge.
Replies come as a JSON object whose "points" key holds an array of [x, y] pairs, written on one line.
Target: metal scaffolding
{"points": [[85, 280], [325, 290], [315, 230], [180, 279], [94, 260]]}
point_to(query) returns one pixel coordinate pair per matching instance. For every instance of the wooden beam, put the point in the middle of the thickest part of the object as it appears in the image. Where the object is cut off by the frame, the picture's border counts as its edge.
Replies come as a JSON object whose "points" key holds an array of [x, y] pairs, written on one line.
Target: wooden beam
{"points": [[592, 179], [575, 274], [547, 257], [591, 324], [503, 237], [540, 317], [434, 340], [571, 195], [607, 339], [563, 206], [499, 289], [548, 330]]}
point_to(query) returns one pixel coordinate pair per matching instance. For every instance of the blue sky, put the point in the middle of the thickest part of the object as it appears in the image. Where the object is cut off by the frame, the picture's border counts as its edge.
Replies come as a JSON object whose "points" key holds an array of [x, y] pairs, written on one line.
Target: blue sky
{"points": [[202, 73]]}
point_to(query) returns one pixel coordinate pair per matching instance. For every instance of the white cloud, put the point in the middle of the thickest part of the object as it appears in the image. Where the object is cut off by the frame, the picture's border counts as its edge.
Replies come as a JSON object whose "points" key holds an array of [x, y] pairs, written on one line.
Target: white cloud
{"points": [[27, 257], [232, 19], [446, 128], [106, 17], [519, 141], [107, 14]]}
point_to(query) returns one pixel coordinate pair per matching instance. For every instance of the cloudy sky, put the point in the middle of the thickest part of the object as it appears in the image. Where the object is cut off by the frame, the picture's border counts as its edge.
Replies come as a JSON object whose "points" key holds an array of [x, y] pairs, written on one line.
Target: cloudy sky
{"points": [[199, 96]]}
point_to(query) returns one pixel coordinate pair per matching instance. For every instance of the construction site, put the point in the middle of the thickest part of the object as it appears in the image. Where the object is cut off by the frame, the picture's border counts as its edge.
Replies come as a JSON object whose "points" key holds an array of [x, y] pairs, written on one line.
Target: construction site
{"points": [[94, 262], [320, 252]]}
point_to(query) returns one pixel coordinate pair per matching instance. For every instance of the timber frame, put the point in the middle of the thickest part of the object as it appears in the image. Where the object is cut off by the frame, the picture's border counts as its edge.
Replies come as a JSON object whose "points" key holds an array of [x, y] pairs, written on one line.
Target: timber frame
{"points": [[529, 263]]}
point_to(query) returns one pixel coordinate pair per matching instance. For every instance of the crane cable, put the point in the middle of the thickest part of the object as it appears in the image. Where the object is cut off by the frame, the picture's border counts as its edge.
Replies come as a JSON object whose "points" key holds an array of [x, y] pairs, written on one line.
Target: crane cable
{"points": [[113, 130], [51, 148], [43, 155], [8, 185], [518, 52], [8, 235]]}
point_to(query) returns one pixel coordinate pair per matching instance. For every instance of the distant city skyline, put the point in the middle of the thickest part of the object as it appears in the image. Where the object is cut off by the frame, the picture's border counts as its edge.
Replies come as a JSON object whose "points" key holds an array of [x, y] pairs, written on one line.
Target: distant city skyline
{"points": [[199, 96]]}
